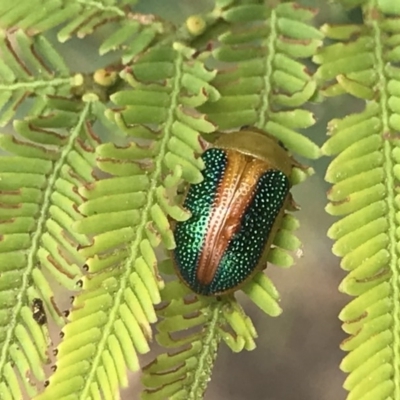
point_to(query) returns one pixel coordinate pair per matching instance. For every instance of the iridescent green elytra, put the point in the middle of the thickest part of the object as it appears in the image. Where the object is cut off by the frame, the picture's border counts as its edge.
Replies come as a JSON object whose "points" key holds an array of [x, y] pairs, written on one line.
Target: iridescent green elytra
{"points": [[235, 210]]}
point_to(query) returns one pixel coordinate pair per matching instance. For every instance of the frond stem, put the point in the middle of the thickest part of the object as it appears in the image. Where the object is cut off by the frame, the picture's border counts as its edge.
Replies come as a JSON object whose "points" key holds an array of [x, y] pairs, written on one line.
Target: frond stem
{"points": [[390, 185], [265, 101], [101, 7], [35, 84], [209, 348]]}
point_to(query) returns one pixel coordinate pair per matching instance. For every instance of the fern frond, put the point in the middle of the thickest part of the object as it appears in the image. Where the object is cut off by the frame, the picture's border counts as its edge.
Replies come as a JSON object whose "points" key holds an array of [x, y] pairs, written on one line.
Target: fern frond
{"points": [[185, 372], [266, 82], [364, 174], [127, 214], [133, 37], [134, 33], [79, 17], [263, 83], [29, 66], [51, 157], [193, 327]]}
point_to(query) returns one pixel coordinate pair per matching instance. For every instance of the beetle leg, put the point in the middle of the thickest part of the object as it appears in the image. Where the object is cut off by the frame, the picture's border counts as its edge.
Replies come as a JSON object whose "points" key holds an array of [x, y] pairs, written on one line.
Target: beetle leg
{"points": [[291, 204], [205, 144], [299, 165]]}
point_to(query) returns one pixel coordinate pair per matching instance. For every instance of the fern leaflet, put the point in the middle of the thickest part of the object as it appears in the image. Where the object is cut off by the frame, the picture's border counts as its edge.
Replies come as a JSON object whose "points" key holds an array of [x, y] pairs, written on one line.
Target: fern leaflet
{"points": [[193, 327], [29, 65], [79, 17], [364, 174]]}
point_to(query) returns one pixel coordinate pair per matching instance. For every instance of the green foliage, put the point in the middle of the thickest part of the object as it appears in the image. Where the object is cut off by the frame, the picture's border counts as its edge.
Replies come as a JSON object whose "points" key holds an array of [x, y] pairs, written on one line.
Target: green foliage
{"points": [[127, 215], [185, 372], [265, 81], [80, 17], [133, 36], [29, 65], [365, 194], [193, 326], [95, 215], [50, 156], [58, 215]]}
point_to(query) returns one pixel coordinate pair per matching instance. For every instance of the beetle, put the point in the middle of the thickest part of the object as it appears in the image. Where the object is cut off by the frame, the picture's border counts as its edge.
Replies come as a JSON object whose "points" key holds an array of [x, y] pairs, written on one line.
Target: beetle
{"points": [[235, 212], [38, 313]]}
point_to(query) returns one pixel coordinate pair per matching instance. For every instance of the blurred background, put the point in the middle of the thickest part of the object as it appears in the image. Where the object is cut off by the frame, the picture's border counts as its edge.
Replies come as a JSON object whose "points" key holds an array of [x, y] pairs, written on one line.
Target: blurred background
{"points": [[297, 355]]}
